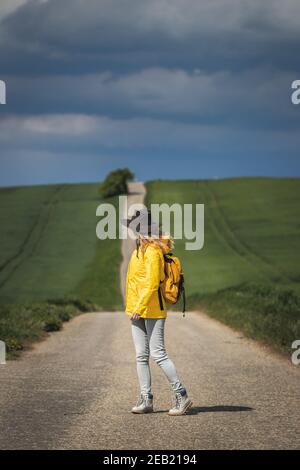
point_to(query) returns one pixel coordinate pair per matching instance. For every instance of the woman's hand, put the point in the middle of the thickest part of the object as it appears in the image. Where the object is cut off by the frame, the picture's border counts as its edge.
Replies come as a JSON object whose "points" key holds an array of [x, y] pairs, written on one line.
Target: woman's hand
{"points": [[135, 316]]}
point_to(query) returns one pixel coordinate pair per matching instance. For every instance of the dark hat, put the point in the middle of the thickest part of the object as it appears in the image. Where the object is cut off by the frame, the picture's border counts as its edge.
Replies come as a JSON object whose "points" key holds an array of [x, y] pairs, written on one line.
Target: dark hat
{"points": [[144, 225]]}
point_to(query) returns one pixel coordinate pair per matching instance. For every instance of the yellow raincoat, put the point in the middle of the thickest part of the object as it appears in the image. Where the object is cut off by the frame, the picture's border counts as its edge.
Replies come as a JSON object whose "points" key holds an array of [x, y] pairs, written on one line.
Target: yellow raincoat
{"points": [[144, 275]]}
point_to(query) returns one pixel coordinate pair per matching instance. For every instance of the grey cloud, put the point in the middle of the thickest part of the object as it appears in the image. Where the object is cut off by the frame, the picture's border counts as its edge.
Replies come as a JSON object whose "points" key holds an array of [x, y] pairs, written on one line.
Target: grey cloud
{"points": [[252, 98], [121, 34], [7, 7], [94, 133], [56, 20]]}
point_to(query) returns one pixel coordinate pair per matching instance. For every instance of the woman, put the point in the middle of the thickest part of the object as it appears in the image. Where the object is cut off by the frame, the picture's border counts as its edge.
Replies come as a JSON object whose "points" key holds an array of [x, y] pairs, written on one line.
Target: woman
{"points": [[147, 311]]}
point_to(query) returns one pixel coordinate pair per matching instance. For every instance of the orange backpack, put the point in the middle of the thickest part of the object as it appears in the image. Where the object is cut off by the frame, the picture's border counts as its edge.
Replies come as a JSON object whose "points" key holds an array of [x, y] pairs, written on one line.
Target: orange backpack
{"points": [[172, 287]]}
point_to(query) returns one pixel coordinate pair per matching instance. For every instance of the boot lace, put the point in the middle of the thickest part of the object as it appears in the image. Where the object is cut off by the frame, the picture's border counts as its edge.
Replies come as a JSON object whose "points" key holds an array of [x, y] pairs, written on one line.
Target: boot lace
{"points": [[143, 398], [177, 400]]}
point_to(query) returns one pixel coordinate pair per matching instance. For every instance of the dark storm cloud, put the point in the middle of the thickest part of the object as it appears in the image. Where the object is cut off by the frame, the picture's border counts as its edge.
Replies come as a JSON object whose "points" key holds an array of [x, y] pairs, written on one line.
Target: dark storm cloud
{"points": [[93, 35], [180, 59], [172, 94], [209, 77]]}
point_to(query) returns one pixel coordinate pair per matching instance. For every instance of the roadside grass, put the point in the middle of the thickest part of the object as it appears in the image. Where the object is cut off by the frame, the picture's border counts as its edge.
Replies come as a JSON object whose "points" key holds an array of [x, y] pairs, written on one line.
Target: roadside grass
{"points": [[251, 240], [52, 265], [264, 312], [22, 324]]}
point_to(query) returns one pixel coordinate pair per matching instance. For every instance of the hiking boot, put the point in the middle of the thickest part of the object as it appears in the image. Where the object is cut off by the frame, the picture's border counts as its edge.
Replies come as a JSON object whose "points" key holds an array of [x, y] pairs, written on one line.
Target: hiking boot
{"points": [[182, 404], [144, 404]]}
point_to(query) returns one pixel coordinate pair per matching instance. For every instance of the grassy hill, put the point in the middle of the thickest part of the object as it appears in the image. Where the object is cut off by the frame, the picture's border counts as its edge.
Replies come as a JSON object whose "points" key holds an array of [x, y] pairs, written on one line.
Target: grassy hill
{"points": [[248, 272], [51, 262]]}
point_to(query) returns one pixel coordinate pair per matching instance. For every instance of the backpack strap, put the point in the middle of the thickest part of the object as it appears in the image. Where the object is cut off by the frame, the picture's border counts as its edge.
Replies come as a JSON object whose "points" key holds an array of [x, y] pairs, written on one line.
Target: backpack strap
{"points": [[161, 304], [168, 259], [183, 298]]}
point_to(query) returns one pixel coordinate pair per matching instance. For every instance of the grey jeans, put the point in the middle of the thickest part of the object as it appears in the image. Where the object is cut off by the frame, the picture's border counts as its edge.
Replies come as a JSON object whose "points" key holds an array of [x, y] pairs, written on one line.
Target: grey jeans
{"points": [[148, 338]]}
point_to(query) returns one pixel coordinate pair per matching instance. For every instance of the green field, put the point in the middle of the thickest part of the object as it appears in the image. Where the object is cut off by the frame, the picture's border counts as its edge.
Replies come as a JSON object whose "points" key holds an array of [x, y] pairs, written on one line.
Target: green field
{"points": [[248, 272], [49, 255], [49, 247], [247, 275]]}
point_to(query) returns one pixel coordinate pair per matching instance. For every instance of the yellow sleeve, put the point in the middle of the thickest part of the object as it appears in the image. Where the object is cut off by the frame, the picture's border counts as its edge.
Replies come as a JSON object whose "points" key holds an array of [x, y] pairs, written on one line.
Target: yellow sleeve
{"points": [[152, 281]]}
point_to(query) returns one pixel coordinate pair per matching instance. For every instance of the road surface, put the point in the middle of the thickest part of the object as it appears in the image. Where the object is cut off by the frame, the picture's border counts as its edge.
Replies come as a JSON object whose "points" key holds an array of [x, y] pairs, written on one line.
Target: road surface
{"points": [[75, 389]]}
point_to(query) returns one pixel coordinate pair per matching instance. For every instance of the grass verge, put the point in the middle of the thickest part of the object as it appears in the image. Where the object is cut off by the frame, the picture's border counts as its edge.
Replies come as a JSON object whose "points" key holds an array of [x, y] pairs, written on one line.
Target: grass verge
{"points": [[22, 324], [268, 313]]}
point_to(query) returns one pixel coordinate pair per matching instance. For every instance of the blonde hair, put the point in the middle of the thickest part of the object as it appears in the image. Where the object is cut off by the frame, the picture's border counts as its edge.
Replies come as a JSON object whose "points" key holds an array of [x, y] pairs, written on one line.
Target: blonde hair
{"points": [[144, 242]]}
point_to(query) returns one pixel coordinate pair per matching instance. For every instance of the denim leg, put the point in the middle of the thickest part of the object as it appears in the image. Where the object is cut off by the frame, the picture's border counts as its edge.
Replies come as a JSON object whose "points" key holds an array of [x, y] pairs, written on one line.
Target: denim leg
{"points": [[141, 344], [155, 329]]}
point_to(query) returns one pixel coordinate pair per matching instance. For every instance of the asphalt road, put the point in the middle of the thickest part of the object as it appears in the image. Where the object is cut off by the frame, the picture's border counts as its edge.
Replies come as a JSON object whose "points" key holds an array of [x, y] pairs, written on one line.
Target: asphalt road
{"points": [[75, 389]]}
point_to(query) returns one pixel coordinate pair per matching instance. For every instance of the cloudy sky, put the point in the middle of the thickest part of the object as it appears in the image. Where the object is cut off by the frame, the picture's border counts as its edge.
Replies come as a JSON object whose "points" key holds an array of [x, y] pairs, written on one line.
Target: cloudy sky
{"points": [[170, 88]]}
